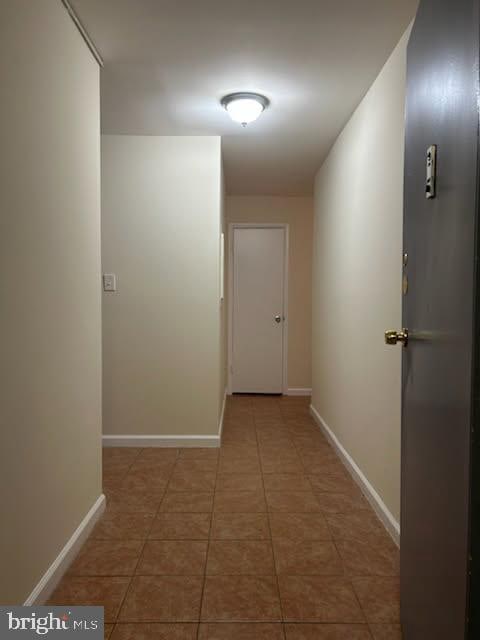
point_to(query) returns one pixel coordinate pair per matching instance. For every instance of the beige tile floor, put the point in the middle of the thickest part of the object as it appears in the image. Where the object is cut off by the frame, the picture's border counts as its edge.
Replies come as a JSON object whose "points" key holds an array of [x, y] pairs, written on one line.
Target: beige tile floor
{"points": [[267, 538]]}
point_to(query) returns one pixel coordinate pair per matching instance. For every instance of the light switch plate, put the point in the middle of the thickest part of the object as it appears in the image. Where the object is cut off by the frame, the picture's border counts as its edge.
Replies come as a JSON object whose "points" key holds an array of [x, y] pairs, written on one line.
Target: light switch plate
{"points": [[109, 282]]}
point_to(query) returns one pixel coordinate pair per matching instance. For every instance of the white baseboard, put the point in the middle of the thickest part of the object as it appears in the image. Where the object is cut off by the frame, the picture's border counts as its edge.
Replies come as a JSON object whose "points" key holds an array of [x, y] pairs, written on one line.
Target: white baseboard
{"points": [[380, 508], [160, 441], [299, 392], [222, 416], [59, 566]]}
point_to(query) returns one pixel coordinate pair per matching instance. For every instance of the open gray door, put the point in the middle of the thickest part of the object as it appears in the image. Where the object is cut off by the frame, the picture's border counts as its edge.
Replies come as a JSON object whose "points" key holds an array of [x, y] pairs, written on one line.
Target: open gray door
{"points": [[439, 313]]}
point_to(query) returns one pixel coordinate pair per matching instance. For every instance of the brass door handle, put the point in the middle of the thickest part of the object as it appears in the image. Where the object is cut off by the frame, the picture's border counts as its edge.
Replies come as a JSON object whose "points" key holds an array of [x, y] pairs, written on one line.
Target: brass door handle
{"points": [[392, 336]]}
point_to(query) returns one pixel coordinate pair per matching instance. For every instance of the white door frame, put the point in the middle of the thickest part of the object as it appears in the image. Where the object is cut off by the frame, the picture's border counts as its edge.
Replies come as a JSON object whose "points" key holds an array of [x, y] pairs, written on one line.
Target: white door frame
{"points": [[254, 225]]}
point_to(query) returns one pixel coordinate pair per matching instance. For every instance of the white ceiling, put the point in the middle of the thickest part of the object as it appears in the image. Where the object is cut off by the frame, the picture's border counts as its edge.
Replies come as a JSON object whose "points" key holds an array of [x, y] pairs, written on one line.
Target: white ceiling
{"points": [[168, 63]]}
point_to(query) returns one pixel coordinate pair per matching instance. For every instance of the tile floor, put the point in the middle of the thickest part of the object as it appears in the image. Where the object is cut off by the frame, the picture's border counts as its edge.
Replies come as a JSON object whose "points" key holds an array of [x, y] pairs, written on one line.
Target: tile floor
{"points": [[267, 538]]}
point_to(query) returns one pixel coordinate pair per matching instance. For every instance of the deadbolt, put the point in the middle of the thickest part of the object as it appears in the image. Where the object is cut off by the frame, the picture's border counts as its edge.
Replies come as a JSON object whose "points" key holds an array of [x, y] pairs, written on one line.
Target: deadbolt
{"points": [[393, 336], [278, 319]]}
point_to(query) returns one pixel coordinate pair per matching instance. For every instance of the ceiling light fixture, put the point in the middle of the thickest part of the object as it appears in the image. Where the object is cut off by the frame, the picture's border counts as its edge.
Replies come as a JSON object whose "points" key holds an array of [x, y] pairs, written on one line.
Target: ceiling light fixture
{"points": [[244, 107]]}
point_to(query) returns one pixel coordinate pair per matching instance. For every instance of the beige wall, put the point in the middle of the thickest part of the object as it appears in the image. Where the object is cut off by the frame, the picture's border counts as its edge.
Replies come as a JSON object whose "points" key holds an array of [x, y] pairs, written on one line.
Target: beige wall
{"points": [[223, 304], [50, 416], [298, 213], [161, 217], [357, 282]]}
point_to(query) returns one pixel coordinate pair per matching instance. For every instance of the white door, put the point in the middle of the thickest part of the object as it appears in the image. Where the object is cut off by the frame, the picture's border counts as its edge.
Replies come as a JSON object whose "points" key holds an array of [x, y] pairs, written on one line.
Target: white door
{"points": [[258, 309]]}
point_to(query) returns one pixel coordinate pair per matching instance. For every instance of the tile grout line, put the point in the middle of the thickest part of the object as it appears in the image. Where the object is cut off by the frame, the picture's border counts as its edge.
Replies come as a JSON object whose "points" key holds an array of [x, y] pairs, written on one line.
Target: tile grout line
{"points": [[126, 472], [282, 616], [269, 524], [130, 577], [347, 577], [202, 594], [145, 540], [331, 534], [304, 471]]}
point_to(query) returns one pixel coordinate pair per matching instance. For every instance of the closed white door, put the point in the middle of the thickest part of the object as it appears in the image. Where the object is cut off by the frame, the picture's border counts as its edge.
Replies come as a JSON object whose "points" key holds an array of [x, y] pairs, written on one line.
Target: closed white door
{"points": [[258, 322]]}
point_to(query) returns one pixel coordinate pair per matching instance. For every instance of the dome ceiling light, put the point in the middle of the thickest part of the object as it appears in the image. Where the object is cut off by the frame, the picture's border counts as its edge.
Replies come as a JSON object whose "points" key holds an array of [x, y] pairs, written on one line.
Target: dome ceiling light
{"points": [[244, 107]]}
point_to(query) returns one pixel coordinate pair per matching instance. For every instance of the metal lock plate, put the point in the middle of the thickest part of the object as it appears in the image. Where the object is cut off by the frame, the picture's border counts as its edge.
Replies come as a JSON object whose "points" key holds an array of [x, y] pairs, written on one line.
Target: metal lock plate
{"points": [[430, 185]]}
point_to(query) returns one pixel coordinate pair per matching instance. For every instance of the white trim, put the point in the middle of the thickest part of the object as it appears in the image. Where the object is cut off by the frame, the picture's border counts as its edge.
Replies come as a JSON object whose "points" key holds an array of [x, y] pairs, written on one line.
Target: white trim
{"points": [[222, 415], [83, 32], [299, 392], [380, 508], [257, 225], [62, 562], [160, 441], [222, 267]]}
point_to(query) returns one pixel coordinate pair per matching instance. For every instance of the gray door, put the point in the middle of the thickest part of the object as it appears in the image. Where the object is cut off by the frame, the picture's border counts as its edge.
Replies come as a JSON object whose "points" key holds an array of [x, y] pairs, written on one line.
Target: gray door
{"points": [[438, 311]]}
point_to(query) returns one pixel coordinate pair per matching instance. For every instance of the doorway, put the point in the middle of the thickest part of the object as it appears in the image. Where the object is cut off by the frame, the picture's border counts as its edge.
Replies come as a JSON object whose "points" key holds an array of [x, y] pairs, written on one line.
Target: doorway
{"points": [[258, 323]]}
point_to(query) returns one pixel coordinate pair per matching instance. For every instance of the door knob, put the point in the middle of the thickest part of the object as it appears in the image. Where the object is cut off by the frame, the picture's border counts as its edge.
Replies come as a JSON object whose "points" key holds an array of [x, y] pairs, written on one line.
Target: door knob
{"points": [[278, 319], [392, 336]]}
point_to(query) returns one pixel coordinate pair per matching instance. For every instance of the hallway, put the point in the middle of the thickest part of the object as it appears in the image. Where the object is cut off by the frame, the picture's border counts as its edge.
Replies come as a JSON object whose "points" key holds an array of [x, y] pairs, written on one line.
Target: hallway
{"points": [[241, 319], [267, 538]]}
